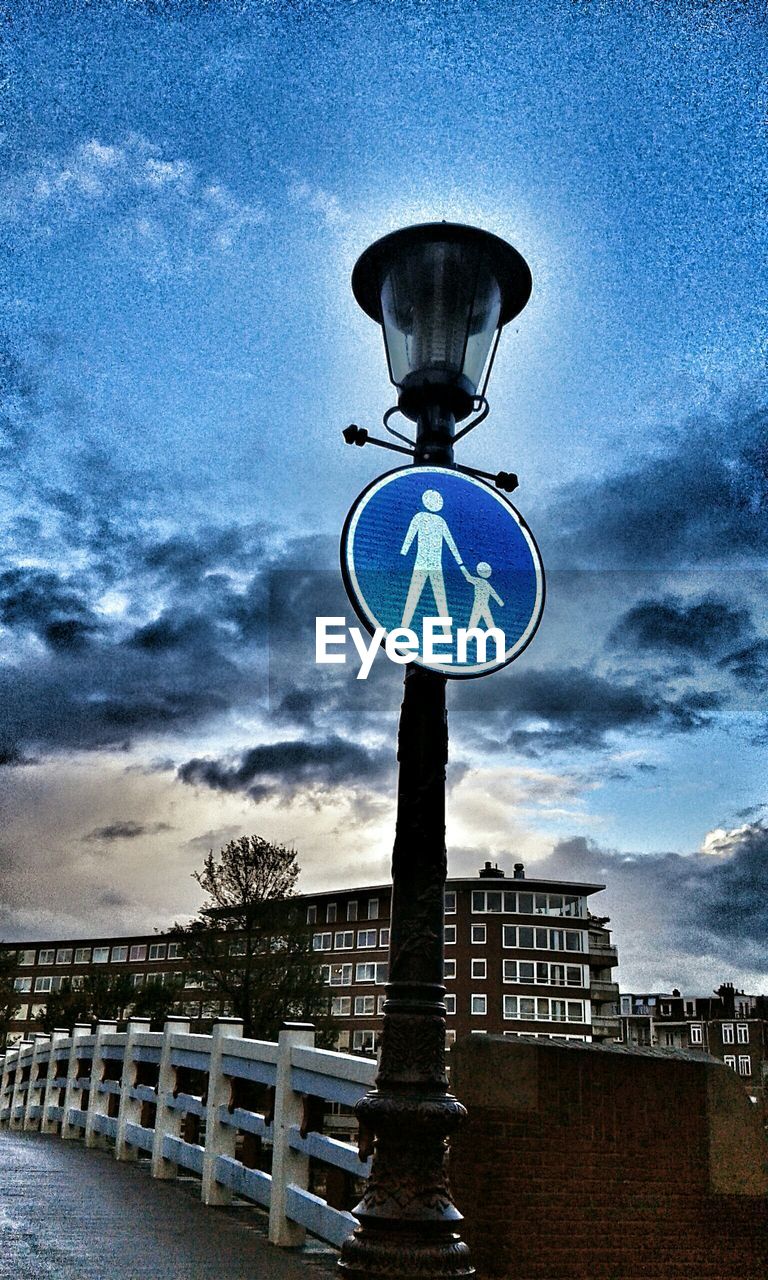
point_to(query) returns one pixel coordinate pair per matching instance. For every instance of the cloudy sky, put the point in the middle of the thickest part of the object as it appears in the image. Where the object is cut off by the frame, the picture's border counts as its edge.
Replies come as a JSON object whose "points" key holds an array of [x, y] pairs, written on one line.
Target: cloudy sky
{"points": [[187, 187]]}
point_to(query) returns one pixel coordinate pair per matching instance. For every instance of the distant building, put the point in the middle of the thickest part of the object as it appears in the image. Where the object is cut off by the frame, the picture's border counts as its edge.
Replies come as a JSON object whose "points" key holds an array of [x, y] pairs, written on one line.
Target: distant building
{"points": [[520, 956], [729, 1024]]}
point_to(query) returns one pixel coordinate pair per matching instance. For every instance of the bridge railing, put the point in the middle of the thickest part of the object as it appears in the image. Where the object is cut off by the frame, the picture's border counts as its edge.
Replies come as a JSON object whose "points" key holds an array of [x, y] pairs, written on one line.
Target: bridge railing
{"points": [[203, 1104]]}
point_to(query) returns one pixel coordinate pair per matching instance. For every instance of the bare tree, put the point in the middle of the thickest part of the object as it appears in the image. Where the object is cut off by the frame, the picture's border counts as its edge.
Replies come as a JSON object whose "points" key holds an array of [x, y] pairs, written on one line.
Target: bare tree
{"points": [[9, 999], [250, 946]]}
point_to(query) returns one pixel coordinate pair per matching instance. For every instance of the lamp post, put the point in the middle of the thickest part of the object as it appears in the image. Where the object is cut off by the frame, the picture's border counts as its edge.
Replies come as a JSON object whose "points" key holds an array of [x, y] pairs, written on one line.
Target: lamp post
{"points": [[441, 293]]}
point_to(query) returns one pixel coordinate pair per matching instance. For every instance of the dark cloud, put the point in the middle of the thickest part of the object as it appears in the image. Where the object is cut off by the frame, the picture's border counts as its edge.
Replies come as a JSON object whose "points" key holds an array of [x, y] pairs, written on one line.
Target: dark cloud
{"points": [[702, 501], [749, 665], [548, 709], [281, 769], [129, 830], [706, 913], [55, 610], [674, 626]]}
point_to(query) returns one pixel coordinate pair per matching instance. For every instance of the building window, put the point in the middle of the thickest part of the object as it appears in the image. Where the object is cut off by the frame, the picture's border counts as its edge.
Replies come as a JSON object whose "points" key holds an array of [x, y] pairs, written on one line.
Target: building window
{"points": [[373, 908], [138, 981], [450, 902], [43, 984], [119, 954], [322, 941], [542, 1009], [450, 1038], [450, 934], [138, 952], [365, 973], [382, 972], [364, 1006], [82, 955], [697, 1035], [174, 951], [64, 955], [525, 937], [364, 1041], [340, 975], [352, 909], [730, 1061], [330, 913], [384, 937], [478, 934], [745, 1065], [345, 941], [26, 957], [157, 951], [342, 1041], [727, 1033], [450, 1004], [367, 937], [341, 1006], [312, 913], [100, 955], [478, 1004], [76, 982], [381, 1001], [742, 1033], [479, 969], [22, 984], [450, 969], [45, 957]]}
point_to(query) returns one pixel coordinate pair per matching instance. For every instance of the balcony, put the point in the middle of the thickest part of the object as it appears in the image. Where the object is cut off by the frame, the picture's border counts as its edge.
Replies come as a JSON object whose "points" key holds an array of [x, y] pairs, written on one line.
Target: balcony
{"points": [[602, 990], [602, 956], [606, 1026]]}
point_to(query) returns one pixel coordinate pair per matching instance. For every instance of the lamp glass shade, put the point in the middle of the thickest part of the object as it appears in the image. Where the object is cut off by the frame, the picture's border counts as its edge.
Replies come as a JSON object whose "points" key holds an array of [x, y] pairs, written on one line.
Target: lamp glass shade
{"points": [[440, 308]]}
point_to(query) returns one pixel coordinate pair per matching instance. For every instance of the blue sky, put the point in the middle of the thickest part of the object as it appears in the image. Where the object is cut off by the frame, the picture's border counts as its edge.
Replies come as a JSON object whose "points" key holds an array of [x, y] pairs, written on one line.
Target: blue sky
{"points": [[186, 189]]}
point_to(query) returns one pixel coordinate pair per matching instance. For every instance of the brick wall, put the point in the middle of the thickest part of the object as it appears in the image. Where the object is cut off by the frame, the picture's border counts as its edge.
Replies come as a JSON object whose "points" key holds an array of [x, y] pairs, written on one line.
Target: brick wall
{"points": [[605, 1162]]}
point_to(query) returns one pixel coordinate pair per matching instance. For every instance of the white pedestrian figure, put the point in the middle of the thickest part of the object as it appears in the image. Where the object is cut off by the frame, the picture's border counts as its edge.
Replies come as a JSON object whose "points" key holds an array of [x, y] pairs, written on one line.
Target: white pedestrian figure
{"points": [[481, 607], [431, 532]]}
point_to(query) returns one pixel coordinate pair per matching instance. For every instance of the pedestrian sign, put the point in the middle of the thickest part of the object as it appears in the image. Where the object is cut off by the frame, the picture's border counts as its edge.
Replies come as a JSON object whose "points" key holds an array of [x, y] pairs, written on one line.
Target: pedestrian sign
{"points": [[426, 543]]}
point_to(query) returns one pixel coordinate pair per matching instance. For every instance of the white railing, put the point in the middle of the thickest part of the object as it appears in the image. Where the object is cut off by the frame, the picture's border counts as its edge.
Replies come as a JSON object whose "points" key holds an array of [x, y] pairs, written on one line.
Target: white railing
{"points": [[186, 1101]]}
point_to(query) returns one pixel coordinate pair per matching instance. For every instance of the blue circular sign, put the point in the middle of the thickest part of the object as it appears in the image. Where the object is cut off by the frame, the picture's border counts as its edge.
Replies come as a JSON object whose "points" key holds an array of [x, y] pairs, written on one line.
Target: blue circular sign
{"points": [[433, 556]]}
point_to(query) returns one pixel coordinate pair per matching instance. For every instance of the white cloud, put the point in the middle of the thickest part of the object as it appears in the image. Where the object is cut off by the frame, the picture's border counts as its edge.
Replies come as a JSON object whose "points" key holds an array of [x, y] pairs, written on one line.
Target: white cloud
{"points": [[162, 211], [321, 202]]}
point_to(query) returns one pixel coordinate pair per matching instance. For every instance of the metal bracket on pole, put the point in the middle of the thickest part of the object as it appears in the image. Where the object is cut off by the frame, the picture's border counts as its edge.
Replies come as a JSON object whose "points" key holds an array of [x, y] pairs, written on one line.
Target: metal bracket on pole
{"points": [[505, 480]]}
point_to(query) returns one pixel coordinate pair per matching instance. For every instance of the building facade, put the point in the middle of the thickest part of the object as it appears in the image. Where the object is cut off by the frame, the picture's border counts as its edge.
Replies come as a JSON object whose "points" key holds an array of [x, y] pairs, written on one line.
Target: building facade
{"points": [[521, 955], [729, 1024]]}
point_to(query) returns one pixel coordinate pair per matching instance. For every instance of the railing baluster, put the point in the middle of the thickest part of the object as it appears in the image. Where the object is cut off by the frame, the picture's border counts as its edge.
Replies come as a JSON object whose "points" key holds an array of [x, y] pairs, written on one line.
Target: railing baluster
{"points": [[167, 1120], [220, 1140], [79, 1031], [288, 1166], [130, 1108], [98, 1103]]}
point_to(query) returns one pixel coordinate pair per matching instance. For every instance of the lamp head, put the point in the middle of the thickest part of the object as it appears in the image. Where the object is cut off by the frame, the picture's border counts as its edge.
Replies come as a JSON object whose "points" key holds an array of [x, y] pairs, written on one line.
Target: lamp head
{"points": [[441, 293]]}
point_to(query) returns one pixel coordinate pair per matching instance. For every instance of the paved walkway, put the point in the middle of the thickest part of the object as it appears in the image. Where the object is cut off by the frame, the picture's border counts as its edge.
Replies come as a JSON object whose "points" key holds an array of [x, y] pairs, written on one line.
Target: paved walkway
{"points": [[71, 1214]]}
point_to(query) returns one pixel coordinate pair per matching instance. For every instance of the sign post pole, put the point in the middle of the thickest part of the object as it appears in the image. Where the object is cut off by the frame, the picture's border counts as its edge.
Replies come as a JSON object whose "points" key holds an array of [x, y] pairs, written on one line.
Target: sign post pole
{"points": [[442, 293], [407, 1216]]}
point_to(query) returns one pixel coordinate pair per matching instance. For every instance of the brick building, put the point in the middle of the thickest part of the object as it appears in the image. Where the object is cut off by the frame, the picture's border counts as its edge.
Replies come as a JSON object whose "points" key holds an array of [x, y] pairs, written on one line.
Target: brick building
{"points": [[729, 1024], [521, 956]]}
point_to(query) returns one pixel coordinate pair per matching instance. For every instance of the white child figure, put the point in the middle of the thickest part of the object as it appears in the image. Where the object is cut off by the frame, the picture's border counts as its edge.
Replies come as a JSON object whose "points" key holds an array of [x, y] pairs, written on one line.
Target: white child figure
{"points": [[481, 608]]}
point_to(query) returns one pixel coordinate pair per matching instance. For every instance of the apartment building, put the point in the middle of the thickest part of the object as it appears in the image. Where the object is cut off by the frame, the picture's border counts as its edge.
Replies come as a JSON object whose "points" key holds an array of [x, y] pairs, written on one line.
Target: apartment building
{"points": [[521, 955], [729, 1024]]}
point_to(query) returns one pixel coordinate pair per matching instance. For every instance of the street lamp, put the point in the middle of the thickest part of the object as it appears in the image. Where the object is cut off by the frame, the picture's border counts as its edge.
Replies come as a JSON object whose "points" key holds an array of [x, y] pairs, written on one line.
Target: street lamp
{"points": [[441, 293]]}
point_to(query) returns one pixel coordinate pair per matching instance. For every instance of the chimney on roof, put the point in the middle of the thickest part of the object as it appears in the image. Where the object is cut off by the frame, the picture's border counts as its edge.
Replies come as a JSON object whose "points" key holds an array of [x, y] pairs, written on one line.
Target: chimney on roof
{"points": [[519, 873], [491, 872]]}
